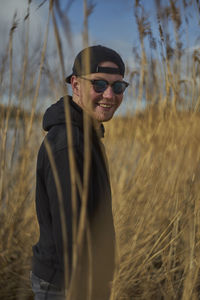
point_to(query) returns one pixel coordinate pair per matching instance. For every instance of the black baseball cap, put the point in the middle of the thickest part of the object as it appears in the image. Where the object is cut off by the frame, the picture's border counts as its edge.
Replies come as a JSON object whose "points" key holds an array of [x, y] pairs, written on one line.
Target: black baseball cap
{"points": [[94, 55]]}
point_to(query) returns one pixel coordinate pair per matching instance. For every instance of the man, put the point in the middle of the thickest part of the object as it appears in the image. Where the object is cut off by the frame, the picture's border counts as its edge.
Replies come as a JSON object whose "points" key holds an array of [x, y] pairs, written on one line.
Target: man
{"points": [[86, 218]]}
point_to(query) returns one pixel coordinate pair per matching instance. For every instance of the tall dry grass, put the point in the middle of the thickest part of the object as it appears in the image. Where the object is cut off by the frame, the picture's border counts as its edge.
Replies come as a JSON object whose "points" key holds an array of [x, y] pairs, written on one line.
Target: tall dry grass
{"points": [[19, 137], [153, 156], [155, 179]]}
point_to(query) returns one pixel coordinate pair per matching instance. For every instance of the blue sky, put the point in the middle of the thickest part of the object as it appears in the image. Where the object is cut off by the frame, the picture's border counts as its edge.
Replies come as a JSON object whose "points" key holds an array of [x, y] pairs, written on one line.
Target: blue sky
{"points": [[112, 23], [109, 20]]}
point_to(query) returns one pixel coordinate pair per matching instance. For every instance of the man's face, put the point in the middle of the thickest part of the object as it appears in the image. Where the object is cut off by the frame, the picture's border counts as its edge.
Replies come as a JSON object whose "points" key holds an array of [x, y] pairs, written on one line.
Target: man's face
{"points": [[101, 106]]}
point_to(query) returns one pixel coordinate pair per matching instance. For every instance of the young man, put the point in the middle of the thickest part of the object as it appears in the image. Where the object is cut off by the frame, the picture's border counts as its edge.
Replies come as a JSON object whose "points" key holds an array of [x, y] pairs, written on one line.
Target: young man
{"points": [[98, 87]]}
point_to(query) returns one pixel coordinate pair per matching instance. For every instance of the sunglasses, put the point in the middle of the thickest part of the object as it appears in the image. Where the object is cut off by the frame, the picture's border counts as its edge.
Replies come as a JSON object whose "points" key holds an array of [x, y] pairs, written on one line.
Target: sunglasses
{"points": [[100, 85]]}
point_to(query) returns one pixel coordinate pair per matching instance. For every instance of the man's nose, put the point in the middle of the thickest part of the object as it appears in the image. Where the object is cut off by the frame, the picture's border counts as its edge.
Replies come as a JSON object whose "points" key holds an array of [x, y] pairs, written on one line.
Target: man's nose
{"points": [[108, 93]]}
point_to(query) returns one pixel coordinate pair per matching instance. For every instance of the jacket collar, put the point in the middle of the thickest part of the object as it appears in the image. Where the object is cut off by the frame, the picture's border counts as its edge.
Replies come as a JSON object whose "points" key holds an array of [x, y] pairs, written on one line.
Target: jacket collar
{"points": [[55, 115]]}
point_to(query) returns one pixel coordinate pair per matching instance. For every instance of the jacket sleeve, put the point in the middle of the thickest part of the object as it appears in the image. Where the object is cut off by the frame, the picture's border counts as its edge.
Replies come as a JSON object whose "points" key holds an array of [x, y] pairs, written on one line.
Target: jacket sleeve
{"points": [[58, 184]]}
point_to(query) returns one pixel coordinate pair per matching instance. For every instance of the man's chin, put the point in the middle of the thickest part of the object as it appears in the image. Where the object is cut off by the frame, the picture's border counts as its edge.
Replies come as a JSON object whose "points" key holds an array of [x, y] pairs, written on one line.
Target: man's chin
{"points": [[103, 118]]}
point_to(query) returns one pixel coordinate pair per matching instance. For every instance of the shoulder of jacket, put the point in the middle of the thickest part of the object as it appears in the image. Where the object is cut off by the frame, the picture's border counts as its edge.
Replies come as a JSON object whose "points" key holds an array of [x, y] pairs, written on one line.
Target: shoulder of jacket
{"points": [[58, 140]]}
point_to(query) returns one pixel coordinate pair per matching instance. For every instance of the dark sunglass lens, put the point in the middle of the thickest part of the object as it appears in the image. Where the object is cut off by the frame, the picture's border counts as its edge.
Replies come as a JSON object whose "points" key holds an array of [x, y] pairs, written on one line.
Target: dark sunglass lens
{"points": [[119, 87], [100, 85]]}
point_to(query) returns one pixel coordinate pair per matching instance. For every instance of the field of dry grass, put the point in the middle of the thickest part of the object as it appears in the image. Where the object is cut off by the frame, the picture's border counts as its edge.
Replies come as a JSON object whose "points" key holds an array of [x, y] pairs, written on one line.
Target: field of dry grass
{"points": [[155, 171], [154, 160]]}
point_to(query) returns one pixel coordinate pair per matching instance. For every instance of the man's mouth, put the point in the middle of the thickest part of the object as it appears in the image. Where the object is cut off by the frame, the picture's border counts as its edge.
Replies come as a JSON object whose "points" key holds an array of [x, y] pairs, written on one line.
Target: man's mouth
{"points": [[105, 105]]}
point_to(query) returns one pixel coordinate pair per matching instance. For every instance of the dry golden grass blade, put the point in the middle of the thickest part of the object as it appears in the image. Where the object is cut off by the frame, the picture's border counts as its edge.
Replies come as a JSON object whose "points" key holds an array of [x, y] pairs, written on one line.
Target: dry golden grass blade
{"points": [[74, 179], [21, 91], [63, 17], [3, 67], [90, 261], [78, 234], [82, 227], [34, 102], [61, 209], [74, 175], [5, 128], [59, 45], [159, 211]]}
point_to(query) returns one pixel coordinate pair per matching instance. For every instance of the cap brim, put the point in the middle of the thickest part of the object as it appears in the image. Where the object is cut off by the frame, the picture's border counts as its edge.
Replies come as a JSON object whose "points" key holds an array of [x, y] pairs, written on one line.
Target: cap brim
{"points": [[68, 79]]}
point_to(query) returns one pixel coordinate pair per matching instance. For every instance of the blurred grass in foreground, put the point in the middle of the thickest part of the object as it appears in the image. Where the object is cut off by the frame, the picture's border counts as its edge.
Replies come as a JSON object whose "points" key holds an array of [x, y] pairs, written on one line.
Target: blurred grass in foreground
{"points": [[154, 163], [155, 171]]}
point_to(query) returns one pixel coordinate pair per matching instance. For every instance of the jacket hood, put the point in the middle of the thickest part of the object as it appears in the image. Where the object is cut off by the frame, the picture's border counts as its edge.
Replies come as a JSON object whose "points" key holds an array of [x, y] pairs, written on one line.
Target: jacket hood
{"points": [[55, 114]]}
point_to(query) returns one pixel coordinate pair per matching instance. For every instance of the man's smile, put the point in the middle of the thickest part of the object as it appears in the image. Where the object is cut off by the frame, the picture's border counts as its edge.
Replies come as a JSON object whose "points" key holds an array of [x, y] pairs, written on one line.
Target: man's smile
{"points": [[105, 105]]}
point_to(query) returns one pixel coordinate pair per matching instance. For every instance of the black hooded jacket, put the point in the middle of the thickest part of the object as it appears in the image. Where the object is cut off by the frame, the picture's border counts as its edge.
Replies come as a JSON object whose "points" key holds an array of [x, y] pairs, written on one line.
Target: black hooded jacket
{"points": [[48, 262]]}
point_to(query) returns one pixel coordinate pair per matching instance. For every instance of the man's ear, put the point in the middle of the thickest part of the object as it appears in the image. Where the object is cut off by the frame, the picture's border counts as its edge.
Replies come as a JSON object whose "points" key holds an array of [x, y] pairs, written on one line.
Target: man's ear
{"points": [[75, 85]]}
